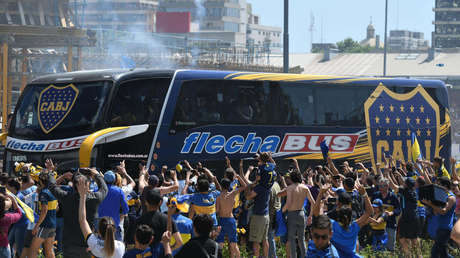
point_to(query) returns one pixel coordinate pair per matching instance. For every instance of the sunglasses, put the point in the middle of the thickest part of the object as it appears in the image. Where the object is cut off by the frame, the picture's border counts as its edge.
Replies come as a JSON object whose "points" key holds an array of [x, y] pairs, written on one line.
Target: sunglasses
{"points": [[382, 186], [318, 236]]}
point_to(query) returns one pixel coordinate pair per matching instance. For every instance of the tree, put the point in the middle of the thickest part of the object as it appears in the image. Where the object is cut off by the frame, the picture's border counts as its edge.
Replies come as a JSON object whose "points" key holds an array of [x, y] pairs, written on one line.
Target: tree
{"points": [[348, 45]]}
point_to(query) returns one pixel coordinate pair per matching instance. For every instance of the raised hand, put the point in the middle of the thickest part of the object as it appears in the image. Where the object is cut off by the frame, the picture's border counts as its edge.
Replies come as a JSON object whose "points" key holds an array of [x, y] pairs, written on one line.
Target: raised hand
{"points": [[49, 165]]}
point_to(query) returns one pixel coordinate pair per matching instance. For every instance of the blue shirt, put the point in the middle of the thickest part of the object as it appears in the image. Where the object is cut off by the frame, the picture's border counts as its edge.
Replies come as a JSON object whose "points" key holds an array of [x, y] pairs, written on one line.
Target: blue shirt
{"points": [[329, 252], [446, 221], [113, 202], [345, 239], [205, 203], [261, 200], [45, 197], [185, 228], [267, 174]]}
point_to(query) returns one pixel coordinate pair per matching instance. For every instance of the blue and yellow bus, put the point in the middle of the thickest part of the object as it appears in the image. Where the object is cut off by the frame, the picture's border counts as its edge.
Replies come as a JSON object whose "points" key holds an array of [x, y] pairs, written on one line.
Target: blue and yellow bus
{"points": [[97, 118]]}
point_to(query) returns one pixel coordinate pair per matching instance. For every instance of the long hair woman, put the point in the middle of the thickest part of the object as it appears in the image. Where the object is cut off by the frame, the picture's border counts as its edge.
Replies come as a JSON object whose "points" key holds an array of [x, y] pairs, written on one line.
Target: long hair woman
{"points": [[103, 244], [6, 219]]}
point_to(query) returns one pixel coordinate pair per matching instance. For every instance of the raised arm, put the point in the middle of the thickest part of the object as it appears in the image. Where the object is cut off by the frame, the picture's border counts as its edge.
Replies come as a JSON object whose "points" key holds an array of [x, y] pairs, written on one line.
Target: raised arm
{"points": [[331, 166], [169, 189], [123, 172], [367, 204], [317, 205], [214, 178], [83, 188], [102, 186], [187, 182], [241, 174], [143, 174]]}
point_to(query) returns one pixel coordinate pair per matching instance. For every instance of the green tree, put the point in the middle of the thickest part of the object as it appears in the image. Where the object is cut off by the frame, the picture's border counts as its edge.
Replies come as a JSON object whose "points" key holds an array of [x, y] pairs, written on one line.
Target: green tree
{"points": [[348, 45]]}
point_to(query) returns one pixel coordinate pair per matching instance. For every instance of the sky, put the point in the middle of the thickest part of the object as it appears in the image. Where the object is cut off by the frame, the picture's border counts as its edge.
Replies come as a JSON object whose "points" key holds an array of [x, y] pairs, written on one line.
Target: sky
{"points": [[340, 19]]}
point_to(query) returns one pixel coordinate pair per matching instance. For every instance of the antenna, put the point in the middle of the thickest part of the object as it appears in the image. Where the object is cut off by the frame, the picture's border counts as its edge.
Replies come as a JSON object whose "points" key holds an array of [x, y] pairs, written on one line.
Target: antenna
{"points": [[321, 29], [311, 29]]}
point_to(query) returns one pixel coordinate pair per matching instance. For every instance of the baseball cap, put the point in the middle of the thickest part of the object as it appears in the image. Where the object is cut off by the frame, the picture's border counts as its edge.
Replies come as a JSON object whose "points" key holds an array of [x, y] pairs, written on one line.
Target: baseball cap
{"points": [[377, 203], [109, 177]]}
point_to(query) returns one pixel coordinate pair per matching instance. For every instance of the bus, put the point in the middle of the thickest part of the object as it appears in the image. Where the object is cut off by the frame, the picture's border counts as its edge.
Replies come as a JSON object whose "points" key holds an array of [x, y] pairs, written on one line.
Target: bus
{"points": [[98, 118]]}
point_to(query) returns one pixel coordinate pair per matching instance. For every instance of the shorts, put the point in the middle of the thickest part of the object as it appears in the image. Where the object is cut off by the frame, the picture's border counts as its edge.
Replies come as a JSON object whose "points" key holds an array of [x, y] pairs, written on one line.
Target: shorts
{"points": [[45, 233], [409, 228], [258, 228], [28, 238], [228, 228]]}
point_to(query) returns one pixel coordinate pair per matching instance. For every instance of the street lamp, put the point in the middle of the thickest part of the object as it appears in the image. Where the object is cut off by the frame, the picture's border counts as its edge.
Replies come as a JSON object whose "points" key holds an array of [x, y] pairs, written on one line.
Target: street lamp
{"points": [[385, 41], [286, 38]]}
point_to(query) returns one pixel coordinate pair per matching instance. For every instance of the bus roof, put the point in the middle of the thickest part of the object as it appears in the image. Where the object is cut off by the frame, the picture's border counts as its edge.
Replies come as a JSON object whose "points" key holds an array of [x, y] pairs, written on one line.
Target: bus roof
{"points": [[119, 74]]}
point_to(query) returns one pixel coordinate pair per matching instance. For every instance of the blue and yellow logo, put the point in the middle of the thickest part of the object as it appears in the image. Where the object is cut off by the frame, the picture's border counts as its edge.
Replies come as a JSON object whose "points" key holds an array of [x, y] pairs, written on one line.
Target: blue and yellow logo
{"points": [[54, 104], [392, 118]]}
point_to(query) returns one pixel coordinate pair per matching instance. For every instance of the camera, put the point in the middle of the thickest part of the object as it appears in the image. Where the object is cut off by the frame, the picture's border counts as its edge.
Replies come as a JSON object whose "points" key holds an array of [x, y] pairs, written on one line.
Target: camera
{"points": [[85, 171], [2, 190]]}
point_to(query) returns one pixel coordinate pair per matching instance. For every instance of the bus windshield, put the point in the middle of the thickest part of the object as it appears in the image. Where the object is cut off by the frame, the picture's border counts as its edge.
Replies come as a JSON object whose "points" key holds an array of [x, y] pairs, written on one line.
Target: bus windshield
{"points": [[83, 117]]}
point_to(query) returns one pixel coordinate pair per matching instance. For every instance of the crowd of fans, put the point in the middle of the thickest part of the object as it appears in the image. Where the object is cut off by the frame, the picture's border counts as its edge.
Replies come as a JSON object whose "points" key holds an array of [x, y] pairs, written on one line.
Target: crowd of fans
{"points": [[334, 210]]}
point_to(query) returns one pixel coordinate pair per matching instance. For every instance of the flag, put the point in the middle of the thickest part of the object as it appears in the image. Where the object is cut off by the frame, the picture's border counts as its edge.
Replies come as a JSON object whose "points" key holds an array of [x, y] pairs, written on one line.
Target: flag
{"points": [[182, 202], [415, 149], [324, 149], [27, 210]]}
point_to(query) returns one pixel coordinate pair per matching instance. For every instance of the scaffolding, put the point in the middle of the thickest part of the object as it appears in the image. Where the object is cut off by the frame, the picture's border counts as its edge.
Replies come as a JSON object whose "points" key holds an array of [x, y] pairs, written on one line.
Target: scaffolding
{"points": [[37, 37]]}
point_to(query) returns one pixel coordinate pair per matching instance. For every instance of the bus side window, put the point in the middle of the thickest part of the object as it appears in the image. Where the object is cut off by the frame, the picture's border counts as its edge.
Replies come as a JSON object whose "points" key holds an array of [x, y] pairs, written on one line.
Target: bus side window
{"points": [[138, 102], [209, 102]]}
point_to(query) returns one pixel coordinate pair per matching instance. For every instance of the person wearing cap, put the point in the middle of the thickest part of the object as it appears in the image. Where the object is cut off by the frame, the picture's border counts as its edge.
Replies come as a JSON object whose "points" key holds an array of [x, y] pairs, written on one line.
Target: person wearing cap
{"points": [[113, 203], [184, 225], [392, 208], [378, 225], [45, 228]]}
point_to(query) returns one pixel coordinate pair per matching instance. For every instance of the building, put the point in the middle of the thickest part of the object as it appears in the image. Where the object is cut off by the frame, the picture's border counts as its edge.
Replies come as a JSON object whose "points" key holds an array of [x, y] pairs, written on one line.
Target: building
{"points": [[123, 15], [404, 40], [447, 24], [218, 20], [267, 36], [371, 39]]}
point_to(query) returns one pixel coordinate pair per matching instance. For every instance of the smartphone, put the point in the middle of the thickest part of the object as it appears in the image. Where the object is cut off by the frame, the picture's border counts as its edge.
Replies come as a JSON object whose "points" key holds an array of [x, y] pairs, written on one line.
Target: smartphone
{"points": [[2, 190]]}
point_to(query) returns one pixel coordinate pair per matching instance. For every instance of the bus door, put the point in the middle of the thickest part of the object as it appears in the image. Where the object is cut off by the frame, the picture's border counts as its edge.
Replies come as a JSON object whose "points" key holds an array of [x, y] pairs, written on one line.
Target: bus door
{"points": [[135, 102]]}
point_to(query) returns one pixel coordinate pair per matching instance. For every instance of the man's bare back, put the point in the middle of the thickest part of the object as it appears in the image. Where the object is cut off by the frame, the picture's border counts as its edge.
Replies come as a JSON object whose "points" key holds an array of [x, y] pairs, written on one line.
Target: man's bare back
{"points": [[296, 194], [225, 202]]}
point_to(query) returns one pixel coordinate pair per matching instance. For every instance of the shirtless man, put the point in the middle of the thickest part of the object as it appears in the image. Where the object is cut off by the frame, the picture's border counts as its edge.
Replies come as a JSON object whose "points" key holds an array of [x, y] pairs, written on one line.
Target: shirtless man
{"points": [[224, 207], [296, 194]]}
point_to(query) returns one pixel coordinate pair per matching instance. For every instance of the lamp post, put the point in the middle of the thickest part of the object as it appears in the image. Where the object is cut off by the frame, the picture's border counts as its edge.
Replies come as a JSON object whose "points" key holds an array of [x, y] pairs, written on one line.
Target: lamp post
{"points": [[385, 41], [286, 38]]}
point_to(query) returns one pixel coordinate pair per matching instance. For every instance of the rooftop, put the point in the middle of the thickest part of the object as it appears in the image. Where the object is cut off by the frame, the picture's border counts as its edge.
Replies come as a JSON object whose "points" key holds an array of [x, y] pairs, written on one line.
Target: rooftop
{"points": [[371, 64]]}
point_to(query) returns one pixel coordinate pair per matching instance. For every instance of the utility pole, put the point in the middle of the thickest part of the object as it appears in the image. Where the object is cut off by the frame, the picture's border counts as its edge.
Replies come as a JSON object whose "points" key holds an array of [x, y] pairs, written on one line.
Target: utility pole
{"points": [[286, 38], [385, 41]]}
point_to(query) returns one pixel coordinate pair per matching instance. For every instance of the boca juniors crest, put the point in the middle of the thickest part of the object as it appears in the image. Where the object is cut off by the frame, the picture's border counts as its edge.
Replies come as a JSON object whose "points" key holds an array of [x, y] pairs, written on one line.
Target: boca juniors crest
{"points": [[392, 118], [54, 104]]}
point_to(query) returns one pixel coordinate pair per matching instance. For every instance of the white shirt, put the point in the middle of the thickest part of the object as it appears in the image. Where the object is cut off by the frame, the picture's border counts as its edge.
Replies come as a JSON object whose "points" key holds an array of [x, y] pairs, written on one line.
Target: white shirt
{"points": [[97, 247]]}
